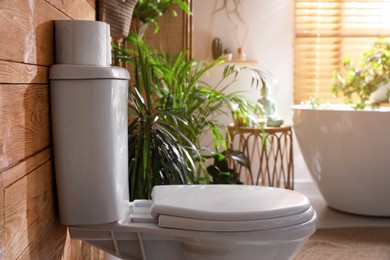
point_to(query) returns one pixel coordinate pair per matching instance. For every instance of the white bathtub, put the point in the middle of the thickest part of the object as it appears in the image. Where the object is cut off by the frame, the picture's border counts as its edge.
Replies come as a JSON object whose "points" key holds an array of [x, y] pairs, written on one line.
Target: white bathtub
{"points": [[348, 155]]}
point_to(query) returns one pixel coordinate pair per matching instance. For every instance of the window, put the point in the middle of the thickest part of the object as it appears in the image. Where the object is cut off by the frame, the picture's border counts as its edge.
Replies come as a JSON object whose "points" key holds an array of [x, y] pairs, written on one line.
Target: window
{"points": [[326, 33]]}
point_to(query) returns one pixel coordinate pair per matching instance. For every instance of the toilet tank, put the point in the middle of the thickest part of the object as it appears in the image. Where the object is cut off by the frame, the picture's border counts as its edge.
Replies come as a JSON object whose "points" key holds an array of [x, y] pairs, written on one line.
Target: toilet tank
{"points": [[89, 121]]}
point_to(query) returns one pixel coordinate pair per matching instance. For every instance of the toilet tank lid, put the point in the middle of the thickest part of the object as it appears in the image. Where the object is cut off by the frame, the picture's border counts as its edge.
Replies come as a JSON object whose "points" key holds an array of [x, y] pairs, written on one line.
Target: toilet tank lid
{"points": [[70, 71], [227, 202]]}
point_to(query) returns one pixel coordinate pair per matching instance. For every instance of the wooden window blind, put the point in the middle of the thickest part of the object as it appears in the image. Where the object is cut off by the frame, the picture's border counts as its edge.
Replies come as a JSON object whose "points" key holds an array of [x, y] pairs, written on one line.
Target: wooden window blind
{"points": [[327, 32]]}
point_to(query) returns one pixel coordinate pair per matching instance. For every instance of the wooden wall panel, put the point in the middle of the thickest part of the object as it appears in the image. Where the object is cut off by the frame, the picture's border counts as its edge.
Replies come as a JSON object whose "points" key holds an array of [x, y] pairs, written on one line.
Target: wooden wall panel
{"points": [[75, 249], [29, 223], [12, 72], [76, 9], [92, 3], [22, 169], [24, 117], [26, 29], [31, 218], [2, 242]]}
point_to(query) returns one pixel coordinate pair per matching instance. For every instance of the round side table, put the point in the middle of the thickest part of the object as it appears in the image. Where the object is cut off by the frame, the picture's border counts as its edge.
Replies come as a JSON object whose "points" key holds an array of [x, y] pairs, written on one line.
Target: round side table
{"points": [[270, 153]]}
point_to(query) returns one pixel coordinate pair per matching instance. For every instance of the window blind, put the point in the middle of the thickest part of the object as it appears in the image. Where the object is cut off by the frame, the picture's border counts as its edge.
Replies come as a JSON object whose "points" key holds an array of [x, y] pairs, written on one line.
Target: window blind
{"points": [[327, 32]]}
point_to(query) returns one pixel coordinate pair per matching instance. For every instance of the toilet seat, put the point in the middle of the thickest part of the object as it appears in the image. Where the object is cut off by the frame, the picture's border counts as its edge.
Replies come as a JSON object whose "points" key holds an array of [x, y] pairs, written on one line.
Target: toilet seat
{"points": [[246, 225], [232, 208]]}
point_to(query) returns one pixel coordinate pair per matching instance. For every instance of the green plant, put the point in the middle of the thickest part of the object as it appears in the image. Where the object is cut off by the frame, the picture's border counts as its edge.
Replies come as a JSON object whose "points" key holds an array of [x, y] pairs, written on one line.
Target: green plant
{"points": [[365, 78], [169, 101], [220, 171], [158, 152], [314, 102], [249, 115], [149, 11], [227, 51], [197, 101], [181, 91]]}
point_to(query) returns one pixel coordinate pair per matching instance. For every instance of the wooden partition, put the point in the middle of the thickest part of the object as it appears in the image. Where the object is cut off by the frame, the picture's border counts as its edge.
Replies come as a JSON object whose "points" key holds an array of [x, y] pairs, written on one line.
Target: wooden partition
{"points": [[29, 223]]}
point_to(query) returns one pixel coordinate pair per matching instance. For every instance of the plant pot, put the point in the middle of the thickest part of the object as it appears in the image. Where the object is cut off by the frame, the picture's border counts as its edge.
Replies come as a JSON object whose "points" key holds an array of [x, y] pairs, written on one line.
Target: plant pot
{"points": [[217, 48], [118, 15]]}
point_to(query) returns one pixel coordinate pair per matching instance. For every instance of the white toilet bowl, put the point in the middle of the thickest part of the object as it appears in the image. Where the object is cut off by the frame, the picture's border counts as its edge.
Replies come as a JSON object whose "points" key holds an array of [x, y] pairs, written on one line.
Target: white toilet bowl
{"points": [[208, 222], [89, 116]]}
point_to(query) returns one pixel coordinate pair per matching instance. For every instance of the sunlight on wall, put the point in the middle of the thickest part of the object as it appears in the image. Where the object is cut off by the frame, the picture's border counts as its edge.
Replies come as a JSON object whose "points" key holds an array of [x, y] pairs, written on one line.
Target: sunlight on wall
{"points": [[267, 36]]}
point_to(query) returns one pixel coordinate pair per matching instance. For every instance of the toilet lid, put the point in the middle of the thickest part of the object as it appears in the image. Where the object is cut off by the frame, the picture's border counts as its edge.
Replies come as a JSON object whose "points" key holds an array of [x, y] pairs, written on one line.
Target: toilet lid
{"points": [[228, 207]]}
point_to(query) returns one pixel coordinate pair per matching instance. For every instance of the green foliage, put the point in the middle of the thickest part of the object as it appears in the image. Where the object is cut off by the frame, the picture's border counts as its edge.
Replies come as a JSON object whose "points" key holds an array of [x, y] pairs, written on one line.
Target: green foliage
{"points": [[249, 115], [199, 103], [148, 11], [314, 102], [159, 153], [365, 78], [220, 171], [170, 108]]}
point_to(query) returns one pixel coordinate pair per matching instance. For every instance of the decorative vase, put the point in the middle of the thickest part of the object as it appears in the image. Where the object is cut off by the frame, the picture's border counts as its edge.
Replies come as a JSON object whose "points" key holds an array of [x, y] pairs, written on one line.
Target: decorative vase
{"points": [[241, 54], [227, 54], [217, 48]]}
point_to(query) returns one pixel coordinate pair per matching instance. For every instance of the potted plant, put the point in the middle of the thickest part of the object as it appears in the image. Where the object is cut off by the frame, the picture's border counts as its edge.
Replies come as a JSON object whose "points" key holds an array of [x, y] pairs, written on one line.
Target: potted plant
{"points": [[169, 101], [227, 54], [118, 15], [158, 152], [364, 79]]}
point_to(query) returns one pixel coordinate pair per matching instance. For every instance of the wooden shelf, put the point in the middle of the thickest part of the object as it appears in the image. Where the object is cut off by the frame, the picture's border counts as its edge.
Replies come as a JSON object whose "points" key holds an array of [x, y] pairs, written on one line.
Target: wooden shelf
{"points": [[242, 62], [238, 62]]}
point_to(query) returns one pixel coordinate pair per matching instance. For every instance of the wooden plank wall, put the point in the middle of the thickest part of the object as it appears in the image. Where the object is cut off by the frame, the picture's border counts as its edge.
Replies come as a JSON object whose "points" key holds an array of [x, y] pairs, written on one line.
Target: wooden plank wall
{"points": [[29, 223]]}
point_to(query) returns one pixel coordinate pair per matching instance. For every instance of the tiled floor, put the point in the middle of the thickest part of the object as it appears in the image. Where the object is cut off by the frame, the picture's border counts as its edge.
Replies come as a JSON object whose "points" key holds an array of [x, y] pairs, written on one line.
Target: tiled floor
{"points": [[329, 218]]}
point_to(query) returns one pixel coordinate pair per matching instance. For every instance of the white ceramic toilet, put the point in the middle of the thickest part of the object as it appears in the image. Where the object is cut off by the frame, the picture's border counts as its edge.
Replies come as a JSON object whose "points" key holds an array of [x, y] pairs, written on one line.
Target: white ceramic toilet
{"points": [[89, 110], [89, 118]]}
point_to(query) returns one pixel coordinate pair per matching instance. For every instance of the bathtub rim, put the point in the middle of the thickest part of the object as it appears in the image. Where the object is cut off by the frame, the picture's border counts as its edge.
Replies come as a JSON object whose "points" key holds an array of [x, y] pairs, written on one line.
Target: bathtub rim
{"points": [[339, 108]]}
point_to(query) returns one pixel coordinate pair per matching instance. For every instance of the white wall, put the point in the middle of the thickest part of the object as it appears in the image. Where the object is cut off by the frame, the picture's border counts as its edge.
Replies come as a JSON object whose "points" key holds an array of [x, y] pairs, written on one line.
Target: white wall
{"points": [[269, 41]]}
